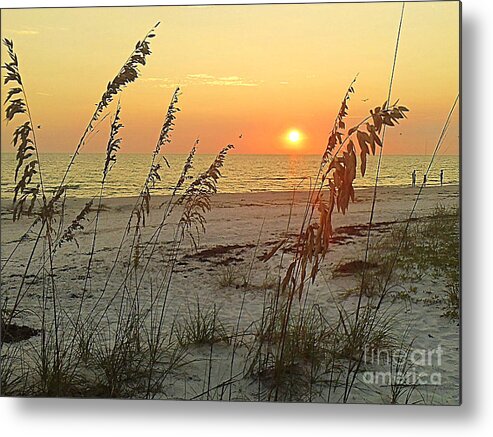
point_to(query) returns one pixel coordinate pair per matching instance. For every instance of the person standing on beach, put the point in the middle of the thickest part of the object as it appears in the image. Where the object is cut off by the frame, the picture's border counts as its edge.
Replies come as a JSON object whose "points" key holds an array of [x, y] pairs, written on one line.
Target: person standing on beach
{"points": [[441, 177], [414, 178], [424, 180]]}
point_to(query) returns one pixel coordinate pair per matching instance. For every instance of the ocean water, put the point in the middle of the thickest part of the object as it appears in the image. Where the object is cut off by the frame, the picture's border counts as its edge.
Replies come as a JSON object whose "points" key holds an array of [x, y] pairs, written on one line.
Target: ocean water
{"points": [[241, 173]]}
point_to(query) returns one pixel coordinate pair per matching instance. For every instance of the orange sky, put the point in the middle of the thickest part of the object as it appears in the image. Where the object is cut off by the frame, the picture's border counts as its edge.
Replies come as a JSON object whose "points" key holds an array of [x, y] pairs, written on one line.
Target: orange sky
{"points": [[259, 71]]}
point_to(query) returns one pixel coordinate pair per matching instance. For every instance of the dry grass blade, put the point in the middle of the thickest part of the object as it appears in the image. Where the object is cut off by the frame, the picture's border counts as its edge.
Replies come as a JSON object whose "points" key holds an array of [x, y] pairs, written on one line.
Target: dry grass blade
{"points": [[24, 140], [341, 172], [142, 208], [127, 74], [169, 123], [335, 136], [113, 143], [184, 176], [76, 225], [111, 150], [196, 198], [267, 256]]}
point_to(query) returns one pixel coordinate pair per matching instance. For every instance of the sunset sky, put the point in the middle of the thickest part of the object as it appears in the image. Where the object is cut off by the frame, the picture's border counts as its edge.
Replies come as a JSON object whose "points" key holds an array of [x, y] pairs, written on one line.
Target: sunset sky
{"points": [[273, 73]]}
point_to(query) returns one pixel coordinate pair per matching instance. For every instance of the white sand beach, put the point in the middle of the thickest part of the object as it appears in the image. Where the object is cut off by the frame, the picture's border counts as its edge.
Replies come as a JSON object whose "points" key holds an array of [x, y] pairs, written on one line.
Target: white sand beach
{"points": [[224, 272]]}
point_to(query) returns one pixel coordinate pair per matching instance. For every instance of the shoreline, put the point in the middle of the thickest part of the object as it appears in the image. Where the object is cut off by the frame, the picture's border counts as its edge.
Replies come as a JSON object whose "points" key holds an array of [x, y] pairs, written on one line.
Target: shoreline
{"points": [[358, 190]]}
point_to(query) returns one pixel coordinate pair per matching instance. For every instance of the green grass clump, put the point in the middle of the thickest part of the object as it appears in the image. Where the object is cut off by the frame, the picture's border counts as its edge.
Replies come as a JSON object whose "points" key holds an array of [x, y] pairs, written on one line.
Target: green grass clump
{"points": [[201, 326]]}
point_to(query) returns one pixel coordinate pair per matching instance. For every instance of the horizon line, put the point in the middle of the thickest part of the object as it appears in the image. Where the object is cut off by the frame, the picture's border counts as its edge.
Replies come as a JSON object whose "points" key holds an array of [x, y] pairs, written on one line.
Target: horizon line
{"points": [[232, 154]]}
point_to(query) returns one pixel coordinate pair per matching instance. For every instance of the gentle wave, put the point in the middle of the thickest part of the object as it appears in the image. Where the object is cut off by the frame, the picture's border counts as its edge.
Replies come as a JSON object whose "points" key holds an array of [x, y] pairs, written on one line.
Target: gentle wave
{"points": [[241, 173]]}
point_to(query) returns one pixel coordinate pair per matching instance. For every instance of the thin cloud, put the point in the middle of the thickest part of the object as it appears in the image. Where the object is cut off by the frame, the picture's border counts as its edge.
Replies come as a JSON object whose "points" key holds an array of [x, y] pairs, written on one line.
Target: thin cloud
{"points": [[200, 76], [161, 82], [208, 79], [23, 32], [152, 79], [202, 79], [37, 31], [222, 82]]}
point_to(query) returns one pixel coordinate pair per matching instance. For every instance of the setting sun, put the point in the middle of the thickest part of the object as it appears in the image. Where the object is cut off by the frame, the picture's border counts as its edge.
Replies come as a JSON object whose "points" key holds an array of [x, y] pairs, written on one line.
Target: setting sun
{"points": [[294, 136], [294, 139]]}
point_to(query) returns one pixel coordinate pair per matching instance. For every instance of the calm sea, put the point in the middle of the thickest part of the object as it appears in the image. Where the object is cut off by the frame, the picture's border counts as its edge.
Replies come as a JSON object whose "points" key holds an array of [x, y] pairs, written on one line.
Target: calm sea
{"points": [[241, 174]]}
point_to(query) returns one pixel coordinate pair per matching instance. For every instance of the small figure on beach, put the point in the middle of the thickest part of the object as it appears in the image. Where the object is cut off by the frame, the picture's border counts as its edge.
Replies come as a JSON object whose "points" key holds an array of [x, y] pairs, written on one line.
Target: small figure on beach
{"points": [[414, 178], [424, 180], [441, 177]]}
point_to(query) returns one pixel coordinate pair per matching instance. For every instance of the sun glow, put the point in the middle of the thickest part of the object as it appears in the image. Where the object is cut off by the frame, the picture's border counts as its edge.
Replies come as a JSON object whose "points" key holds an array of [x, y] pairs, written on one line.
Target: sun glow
{"points": [[294, 136], [294, 139]]}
